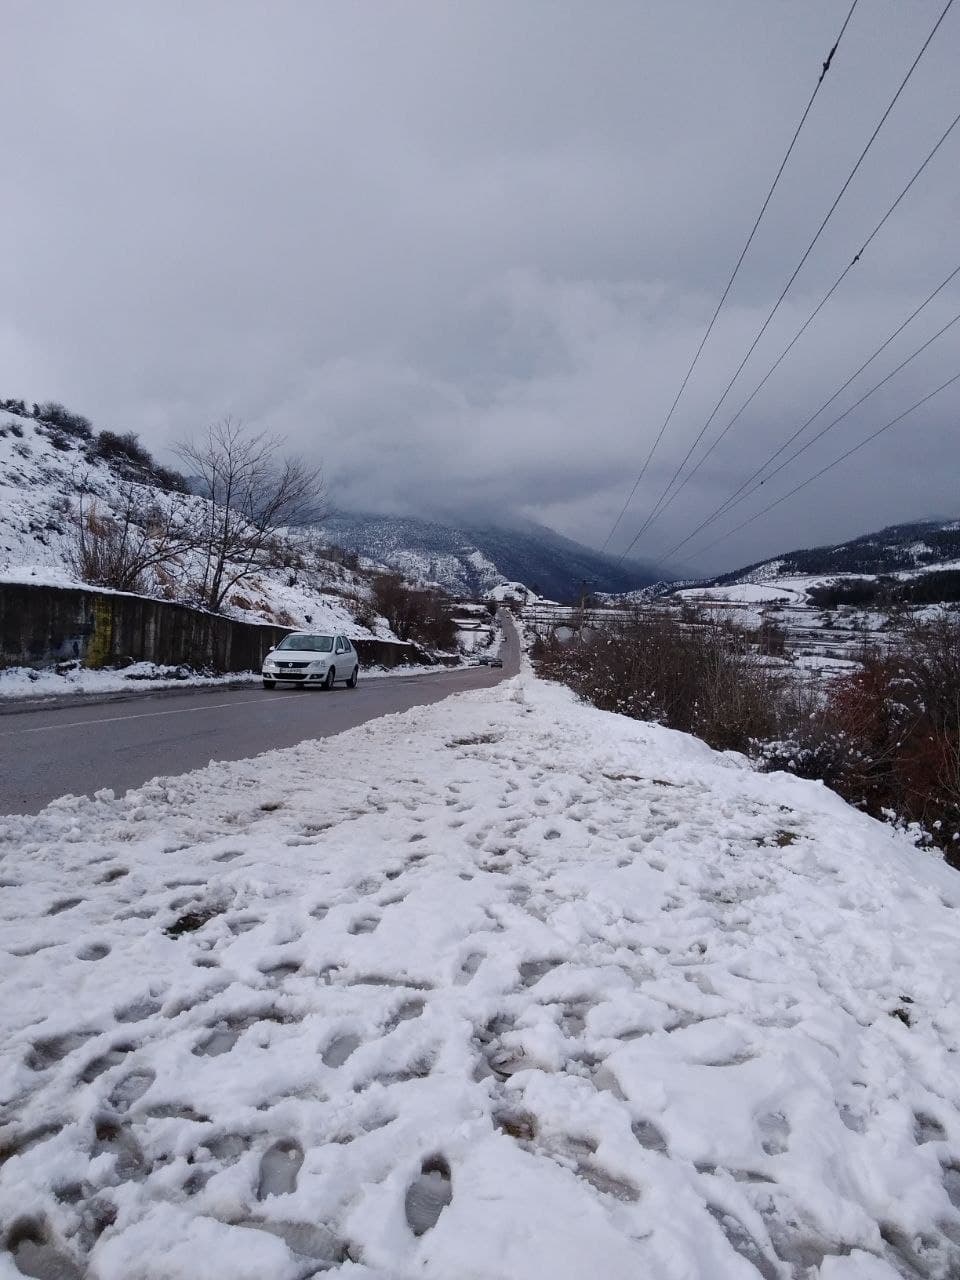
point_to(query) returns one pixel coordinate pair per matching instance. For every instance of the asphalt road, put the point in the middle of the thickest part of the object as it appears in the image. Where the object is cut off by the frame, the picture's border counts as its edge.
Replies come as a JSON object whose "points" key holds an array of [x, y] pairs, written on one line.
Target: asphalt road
{"points": [[81, 748]]}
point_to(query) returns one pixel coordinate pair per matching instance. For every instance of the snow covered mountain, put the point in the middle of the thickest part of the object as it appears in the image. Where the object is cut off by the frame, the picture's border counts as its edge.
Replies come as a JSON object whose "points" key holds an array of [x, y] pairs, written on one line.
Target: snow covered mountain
{"points": [[468, 558], [923, 544]]}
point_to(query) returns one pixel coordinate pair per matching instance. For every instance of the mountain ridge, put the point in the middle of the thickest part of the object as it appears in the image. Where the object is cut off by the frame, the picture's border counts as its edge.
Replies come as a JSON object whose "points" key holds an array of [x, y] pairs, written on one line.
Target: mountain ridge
{"points": [[911, 546], [470, 557]]}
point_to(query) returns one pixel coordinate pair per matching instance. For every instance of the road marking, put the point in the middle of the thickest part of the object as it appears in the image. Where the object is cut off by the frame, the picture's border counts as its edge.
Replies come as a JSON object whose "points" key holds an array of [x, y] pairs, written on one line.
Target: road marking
{"points": [[185, 711], [140, 715]]}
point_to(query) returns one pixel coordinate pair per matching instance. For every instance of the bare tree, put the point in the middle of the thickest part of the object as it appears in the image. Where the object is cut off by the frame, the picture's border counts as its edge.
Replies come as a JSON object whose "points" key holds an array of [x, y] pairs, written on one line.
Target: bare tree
{"points": [[119, 547], [253, 493]]}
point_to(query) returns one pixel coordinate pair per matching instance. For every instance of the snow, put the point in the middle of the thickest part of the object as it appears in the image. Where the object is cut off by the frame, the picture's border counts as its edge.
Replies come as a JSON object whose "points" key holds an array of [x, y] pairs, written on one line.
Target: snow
{"points": [[39, 488], [30, 682], [516, 593], [528, 990], [742, 592]]}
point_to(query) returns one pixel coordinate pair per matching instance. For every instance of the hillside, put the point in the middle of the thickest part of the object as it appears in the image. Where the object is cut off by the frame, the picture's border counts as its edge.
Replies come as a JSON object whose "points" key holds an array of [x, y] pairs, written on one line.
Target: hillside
{"points": [[44, 471], [901, 551], [468, 558]]}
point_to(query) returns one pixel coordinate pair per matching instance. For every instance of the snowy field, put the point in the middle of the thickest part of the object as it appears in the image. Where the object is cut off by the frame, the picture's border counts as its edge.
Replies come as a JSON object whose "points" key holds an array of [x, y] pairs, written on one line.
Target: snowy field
{"points": [[527, 991]]}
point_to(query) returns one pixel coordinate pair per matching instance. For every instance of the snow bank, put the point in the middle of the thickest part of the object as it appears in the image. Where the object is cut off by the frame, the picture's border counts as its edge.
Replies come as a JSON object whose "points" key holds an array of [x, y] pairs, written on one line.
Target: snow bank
{"points": [[526, 991], [30, 682]]}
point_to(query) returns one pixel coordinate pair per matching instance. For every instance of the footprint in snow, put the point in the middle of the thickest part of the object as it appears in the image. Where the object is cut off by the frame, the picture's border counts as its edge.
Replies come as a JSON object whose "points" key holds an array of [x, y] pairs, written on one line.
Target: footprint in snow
{"points": [[573, 1017], [128, 1090], [279, 1169], [14, 1144], [97, 1066], [115, 873], [927, 1129], [63, 904], [220, 1040], [280, 969], [45, 1053], [113, 1140], [365, 924], [339, 1049], [34, 1254], [649, 1136], [606, 1183], [520, 1125], [243, 924], [227, 1148], [531, 971], [743, 1243], [468, 968], [409, 1010], [305, 1241], [95, 951], [138, 1010], [774, 1133], [428, 1195]]}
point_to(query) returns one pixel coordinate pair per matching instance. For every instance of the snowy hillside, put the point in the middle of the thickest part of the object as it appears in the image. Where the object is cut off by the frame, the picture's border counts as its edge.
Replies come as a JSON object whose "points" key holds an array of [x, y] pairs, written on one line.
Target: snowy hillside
{"points": [[42, 473], [900, 551], [469, 558], [536, 992], [829, 601]]}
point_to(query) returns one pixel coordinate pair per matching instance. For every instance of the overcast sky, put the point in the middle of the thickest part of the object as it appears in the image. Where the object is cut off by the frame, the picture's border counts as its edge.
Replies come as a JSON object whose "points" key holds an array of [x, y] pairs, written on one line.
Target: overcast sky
{"points": [[462, 252]]}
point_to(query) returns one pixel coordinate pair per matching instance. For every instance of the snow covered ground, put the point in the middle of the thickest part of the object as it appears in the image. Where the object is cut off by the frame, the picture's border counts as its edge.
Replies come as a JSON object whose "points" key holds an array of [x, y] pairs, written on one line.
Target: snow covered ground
{"points": [[530, 991], [30, 682]]}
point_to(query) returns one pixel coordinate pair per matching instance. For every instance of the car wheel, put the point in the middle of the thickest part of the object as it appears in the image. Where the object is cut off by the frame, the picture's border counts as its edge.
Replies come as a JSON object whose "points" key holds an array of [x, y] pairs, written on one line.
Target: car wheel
{"points": [[269, 684], [331, 676], [352, 682]]}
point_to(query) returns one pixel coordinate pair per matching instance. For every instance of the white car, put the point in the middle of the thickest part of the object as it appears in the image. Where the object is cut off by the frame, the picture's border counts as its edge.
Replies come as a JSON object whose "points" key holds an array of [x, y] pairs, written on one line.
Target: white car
{"points": [[311, 660]]}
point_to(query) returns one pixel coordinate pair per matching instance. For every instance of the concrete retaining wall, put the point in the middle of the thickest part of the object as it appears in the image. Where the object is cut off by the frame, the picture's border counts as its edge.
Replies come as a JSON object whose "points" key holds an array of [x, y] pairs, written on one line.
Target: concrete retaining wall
{"points": [[41, 626]]}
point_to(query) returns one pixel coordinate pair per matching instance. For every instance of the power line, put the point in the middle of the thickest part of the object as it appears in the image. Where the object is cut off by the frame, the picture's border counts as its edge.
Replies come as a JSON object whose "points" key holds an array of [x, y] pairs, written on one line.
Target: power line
{"points": [[743, 253], [870, 141], [830, 465], [734, 499], [857, 403], [806, 324]]}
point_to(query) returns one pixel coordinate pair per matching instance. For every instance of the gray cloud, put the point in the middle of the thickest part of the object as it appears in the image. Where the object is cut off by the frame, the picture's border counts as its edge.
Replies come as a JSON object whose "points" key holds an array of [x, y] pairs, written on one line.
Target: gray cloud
{"points": [[464, 253]]}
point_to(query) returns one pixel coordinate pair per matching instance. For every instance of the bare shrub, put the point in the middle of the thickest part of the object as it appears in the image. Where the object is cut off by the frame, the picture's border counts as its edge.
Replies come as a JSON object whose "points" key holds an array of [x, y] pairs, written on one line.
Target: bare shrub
{"points": [[73, 424], [253, 493], [414, 613], [888, 738], [772, 638], [119, 549], [701, 678]]}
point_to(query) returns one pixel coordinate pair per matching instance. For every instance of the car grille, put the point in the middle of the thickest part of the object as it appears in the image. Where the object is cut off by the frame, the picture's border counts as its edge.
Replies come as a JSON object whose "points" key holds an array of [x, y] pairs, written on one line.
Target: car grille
{"points": [[292, 666], [291, 675]]}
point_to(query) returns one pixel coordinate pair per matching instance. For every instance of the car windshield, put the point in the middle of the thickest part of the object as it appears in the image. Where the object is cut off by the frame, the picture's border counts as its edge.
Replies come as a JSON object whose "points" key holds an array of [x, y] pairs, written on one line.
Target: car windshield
{"points": [[314, 644]]}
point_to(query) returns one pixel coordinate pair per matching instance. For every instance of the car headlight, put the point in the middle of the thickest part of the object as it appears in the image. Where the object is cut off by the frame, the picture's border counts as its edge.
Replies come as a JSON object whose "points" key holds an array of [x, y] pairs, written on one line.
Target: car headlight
{"points": [[320, 665]]}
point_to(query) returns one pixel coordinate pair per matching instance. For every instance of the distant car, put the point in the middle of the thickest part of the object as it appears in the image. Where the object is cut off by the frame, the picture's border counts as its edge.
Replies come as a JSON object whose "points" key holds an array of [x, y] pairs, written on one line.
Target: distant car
{"points": [[311, 660], [490, 660]]}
